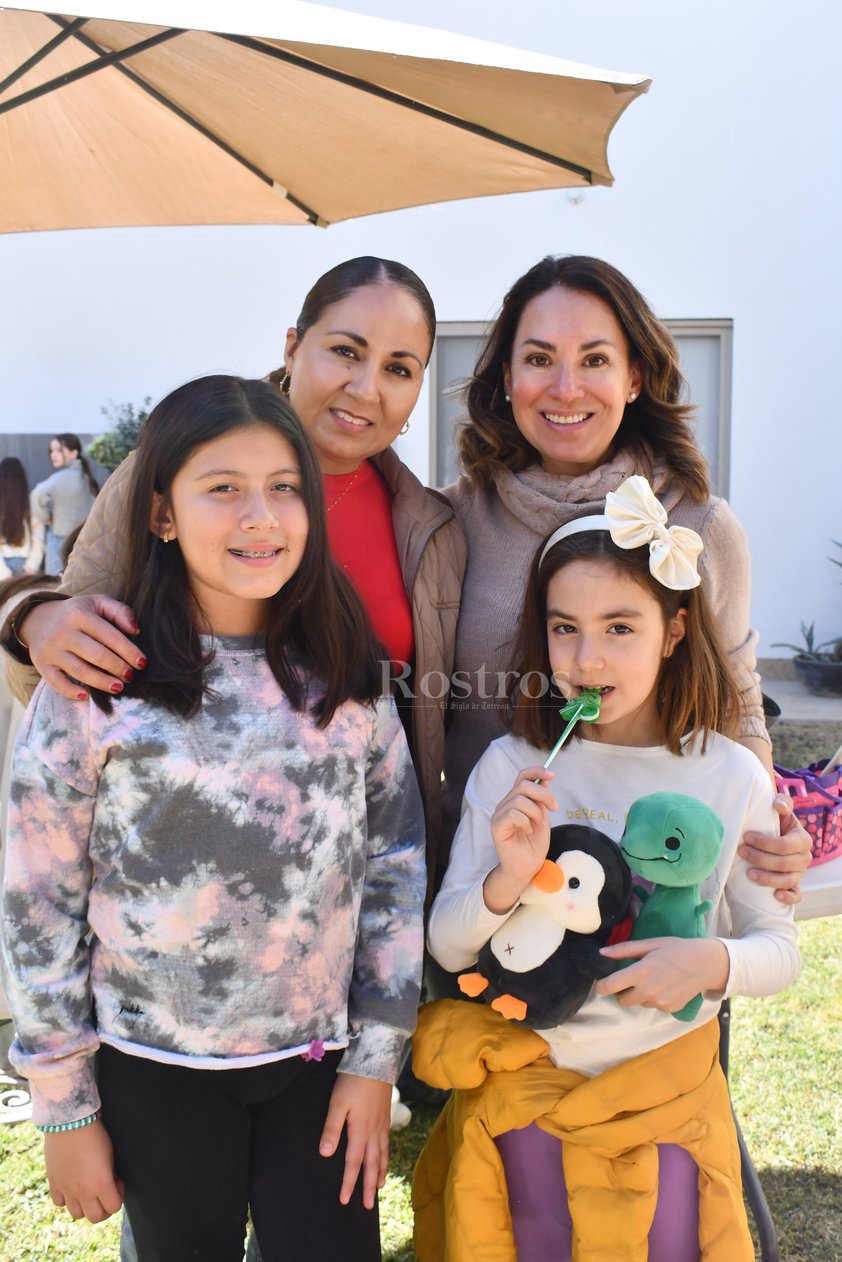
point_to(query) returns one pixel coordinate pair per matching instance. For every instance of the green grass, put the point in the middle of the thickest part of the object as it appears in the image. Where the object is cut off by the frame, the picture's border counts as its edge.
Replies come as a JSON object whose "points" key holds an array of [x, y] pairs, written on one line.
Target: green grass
{"points": [[32, 1229], [797, 745], [786, 1075], [786, 1083]]}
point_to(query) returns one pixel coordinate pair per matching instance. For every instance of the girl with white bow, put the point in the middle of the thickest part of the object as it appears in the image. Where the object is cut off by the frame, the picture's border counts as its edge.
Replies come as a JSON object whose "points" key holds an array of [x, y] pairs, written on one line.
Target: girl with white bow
{"points": [[631, 1099]]}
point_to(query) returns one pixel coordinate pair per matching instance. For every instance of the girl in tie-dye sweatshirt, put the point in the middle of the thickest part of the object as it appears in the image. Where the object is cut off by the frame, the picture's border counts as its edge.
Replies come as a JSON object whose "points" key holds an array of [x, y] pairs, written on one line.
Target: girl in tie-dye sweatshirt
{"points": [[212, 907]]}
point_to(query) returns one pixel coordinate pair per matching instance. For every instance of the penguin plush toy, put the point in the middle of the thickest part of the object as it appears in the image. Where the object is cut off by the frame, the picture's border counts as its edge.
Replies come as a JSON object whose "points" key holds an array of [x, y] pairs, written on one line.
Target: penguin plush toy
{"points": [[538, 968]]}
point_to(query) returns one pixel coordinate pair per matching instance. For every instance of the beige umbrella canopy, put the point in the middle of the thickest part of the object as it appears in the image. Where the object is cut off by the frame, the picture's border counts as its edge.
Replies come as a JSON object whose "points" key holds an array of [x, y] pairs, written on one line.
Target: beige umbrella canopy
{"points": [[319, 117]]}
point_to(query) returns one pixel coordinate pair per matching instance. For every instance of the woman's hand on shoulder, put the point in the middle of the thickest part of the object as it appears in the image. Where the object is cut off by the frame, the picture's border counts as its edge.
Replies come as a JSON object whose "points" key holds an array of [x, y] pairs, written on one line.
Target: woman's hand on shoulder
{"points": [[73, 642], [363, 1106], [80, 1172], [779, 862], [520, 830]]}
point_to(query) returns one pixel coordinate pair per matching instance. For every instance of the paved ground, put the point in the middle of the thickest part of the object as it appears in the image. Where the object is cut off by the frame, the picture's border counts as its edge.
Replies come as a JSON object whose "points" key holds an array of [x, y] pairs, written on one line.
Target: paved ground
{"points": [[810, 726], [800, 706]]}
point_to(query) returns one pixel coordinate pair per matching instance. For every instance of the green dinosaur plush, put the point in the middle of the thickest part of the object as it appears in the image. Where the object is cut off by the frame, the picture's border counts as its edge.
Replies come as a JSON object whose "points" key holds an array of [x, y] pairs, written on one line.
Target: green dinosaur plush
{"points": [[673, 841]]}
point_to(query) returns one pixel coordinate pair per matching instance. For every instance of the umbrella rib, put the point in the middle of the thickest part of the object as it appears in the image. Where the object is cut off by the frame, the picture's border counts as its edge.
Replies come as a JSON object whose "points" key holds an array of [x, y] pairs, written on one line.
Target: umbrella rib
{"points": [[83, 72], [386, 94], [194, 123], [70, 28]]}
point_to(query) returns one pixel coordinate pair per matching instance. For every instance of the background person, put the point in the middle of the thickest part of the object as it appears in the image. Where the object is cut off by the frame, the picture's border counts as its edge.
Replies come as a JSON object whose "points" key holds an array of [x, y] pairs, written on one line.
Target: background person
{"points": [[21, 542], [63, 500]]}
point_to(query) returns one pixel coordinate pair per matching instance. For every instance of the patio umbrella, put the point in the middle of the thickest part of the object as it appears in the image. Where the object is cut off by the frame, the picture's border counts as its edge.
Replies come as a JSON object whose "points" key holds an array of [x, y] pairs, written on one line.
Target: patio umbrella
{"points": [[286, 113]]}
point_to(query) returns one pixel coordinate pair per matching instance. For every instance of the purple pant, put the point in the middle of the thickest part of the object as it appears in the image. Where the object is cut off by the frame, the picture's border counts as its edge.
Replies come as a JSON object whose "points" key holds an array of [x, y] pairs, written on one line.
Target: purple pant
{"points": [[538, 1200]]}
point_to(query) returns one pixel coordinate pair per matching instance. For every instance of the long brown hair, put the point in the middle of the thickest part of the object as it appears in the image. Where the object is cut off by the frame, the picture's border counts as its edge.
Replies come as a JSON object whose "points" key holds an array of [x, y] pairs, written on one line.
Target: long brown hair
{"points": [[319, 644], [655, 424], [696, 690], [14, 502]]}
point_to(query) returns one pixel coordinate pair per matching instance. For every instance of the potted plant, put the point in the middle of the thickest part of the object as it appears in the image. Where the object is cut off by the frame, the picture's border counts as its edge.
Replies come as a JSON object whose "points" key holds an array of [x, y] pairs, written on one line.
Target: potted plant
{"points": [[819, 666]]}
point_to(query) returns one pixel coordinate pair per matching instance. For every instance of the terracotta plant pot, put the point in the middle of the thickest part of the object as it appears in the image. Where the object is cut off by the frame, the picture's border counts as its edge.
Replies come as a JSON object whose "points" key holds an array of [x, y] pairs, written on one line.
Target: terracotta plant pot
{"points": [[822, 678]]}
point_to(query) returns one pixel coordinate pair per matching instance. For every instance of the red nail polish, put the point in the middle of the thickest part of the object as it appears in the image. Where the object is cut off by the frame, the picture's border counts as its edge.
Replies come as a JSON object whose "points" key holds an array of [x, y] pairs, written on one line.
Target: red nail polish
{"points": [[81, 696], [116, 686], [128, 673], [140, 663]]}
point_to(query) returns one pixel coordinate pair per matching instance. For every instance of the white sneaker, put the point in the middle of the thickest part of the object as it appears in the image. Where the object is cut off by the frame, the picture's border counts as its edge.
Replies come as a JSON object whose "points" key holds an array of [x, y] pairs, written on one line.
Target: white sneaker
{"points": [[401, 1115]]}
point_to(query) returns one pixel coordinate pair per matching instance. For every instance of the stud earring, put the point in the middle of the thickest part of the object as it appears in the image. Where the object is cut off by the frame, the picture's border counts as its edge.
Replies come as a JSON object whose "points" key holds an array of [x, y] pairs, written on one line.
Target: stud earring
{"points": [[632, 396], [507, 397]]}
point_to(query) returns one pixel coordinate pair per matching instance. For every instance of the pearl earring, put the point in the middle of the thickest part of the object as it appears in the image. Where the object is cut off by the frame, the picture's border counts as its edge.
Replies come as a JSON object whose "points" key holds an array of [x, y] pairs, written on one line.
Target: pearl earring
{"points": [[632, 396]]}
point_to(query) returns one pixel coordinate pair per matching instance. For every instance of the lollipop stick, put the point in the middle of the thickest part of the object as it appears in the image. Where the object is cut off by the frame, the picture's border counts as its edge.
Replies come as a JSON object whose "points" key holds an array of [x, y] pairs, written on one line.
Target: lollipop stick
{"points": [[574, 719], [585, 707]]}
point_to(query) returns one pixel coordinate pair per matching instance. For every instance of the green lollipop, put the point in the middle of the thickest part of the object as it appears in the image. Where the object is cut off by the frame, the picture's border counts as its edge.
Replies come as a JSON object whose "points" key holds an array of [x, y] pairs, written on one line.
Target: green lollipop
{"points": [[584, 709]]}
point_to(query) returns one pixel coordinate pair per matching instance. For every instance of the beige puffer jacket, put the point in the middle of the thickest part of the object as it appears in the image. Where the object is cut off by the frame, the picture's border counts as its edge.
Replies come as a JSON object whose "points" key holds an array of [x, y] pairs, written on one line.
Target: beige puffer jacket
{"points": [[432, 555]]}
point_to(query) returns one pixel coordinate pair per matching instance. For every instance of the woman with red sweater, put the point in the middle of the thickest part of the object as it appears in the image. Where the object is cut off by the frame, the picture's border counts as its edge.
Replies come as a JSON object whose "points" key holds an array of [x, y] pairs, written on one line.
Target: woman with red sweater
{"points": [[354, 364]]}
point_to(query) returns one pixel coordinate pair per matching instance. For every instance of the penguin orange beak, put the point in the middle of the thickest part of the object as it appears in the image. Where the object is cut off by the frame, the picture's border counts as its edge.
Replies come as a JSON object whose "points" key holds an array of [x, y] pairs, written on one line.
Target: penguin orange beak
{"points": [[549, 877]]}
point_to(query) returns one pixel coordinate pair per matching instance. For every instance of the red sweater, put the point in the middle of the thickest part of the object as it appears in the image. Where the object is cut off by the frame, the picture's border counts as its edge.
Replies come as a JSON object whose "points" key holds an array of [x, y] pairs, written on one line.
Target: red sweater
{"points": [[362, 540]]}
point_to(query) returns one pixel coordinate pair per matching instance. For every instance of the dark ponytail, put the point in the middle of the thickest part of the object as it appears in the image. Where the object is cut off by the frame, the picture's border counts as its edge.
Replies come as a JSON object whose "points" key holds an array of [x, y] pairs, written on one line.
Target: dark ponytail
{"points": [[73, 443]]}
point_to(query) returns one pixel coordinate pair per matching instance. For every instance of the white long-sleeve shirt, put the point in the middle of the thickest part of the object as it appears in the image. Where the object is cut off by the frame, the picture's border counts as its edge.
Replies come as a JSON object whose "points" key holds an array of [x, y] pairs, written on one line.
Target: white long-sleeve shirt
{"points": [[595, 784]]}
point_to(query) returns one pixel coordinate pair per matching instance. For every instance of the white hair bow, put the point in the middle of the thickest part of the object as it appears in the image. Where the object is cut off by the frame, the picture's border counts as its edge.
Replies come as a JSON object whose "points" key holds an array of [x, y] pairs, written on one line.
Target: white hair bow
{"points": [[635, 517]]}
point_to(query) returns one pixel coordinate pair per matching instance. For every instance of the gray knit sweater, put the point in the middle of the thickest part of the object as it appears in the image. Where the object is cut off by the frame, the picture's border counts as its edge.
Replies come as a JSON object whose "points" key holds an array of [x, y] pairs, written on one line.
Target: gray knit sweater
{"points": [[63, 500], [503, 528]]}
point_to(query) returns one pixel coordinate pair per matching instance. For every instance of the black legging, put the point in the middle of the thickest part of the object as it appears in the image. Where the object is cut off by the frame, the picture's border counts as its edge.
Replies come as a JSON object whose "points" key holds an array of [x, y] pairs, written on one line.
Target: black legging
{"points": [[198, 1147]]}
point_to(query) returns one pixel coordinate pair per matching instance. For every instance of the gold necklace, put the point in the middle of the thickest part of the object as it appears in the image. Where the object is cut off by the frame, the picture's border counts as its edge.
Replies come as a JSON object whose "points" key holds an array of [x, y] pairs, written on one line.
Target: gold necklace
{"points": [[347, 489]]}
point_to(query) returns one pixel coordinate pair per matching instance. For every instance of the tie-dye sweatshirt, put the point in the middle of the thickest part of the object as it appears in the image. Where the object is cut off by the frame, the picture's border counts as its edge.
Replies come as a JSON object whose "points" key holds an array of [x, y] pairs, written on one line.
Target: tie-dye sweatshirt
{"points": [[217, 892]]}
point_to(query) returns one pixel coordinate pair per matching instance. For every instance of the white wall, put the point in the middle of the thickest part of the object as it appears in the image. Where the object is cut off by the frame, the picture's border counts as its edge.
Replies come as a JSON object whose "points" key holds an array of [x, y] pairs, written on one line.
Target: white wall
{"points": [[726, 203]]}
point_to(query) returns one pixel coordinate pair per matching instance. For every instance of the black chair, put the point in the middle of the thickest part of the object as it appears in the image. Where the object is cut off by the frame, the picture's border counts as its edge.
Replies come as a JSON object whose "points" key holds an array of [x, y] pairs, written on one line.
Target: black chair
{"points": [[751, 1183]]}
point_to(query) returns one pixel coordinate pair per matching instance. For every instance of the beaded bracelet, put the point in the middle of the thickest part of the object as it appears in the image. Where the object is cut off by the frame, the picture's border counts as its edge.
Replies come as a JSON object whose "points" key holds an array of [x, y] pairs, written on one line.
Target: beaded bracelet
{"points": [[56, 1128]]}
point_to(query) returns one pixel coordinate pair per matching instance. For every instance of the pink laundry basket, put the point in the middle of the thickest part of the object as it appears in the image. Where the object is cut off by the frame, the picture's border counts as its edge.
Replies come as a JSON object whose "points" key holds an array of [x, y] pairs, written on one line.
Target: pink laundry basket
{"points": [[817, 801]]}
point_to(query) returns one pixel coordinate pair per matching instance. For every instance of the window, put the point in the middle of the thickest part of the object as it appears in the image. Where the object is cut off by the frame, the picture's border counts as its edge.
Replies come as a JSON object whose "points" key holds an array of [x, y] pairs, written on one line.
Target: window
{"points": [[705, 350]]}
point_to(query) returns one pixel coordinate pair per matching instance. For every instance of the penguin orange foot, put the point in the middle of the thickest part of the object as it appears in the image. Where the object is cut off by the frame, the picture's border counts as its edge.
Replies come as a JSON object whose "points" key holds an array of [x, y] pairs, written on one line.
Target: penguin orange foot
{"points": [[509, 1007], [472, 984]]}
